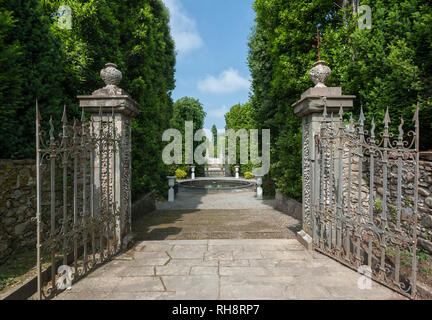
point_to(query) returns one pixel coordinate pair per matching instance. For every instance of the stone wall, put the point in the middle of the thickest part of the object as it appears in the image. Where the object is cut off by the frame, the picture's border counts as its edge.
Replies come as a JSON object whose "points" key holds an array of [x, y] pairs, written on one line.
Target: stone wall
{"points": [[143, 206], [424, 195], [18, 203], [287, 205], [17, 206]]}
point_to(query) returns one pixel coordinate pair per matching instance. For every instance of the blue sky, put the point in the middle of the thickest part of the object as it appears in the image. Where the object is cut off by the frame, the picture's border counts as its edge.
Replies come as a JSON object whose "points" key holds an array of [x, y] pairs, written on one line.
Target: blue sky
{"points": [[211, 42]]}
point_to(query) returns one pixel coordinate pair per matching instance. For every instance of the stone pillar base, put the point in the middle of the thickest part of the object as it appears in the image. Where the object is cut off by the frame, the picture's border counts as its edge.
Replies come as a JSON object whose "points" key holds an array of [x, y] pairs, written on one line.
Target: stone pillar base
{"points": [[305, 239]]}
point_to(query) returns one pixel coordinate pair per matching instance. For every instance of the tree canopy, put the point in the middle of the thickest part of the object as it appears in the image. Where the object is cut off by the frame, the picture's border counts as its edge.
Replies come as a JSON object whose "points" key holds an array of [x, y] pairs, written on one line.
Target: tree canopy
{"points": [[388, 65], [187, 109], [55, 65]]}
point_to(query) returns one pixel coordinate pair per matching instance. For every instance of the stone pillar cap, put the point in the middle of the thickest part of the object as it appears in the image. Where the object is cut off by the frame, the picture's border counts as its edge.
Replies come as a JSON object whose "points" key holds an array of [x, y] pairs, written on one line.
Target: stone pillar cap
{"points": [[110, 98], [313, 99]]}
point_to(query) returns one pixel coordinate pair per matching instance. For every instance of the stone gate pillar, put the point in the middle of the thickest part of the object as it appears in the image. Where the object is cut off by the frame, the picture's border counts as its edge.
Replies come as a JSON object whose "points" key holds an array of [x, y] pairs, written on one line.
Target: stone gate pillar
{"points": [[112, 107], [310, 108]]}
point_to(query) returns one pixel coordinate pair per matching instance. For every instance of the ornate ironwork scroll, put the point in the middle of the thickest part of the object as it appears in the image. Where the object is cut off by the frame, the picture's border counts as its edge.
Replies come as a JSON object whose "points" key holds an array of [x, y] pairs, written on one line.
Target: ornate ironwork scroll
{"points": [[363, 214]]}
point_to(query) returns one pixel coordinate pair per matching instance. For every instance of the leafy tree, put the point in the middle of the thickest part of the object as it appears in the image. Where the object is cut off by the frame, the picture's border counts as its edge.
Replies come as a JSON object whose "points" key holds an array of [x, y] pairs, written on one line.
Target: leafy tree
{"points": [[135, 35], [239, 117], [388, 65], [10, 81], [40, 59], [31, 67], [187, 109]]}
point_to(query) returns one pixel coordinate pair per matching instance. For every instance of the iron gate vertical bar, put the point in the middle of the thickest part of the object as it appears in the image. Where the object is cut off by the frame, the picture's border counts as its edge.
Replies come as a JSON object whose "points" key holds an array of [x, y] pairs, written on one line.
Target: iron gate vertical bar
{"points": [[399, 199], [383, 242], [52, 204], [348, 212], [417, 150], [322, 182], [65, 168], [371, 187], [75, 197], [331, 214], [371, 172], [315, 191], [360, 180], [92, 181], [340, 183], [108, 186], [92, 213], [114, 203], [84, 194], [38, 206], [101, 213]]}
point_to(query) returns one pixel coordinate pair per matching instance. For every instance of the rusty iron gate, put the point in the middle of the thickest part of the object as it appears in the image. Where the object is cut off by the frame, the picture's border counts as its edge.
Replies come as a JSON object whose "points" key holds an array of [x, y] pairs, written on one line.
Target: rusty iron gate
{"points": [[76, 216], [365, 198]]}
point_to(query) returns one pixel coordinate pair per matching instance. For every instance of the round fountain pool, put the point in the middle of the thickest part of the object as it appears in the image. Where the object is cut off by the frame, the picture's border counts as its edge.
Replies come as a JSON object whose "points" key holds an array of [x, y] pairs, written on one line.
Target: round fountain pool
{"points": [[216, 185]]}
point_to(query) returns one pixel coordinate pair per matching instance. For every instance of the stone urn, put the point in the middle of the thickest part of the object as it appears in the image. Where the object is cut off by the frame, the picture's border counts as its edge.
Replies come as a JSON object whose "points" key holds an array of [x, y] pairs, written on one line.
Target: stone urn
{"points": [[319, 74], [111, 75], [112, 78]]}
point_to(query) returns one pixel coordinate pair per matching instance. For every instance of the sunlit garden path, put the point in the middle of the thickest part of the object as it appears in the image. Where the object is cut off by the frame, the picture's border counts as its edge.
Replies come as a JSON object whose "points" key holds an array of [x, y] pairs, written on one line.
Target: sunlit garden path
{"points": [[220, 246]]}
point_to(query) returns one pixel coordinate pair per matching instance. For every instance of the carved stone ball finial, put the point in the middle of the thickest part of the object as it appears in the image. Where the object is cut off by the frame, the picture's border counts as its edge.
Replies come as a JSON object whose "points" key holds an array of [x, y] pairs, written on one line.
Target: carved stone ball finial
{"points": [[319, 74], [111, 75]]}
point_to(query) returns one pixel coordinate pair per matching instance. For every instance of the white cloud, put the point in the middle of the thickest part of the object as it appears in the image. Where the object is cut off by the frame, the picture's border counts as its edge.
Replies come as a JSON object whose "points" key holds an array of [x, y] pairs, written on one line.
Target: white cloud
{"points": [[227, 82], [183, 28], [218, 113]]}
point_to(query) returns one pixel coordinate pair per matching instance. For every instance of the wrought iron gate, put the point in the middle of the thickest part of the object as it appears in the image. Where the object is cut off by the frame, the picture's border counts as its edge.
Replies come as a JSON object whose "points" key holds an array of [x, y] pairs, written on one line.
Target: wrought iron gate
{"points": [[76, 216], [365, 198]]}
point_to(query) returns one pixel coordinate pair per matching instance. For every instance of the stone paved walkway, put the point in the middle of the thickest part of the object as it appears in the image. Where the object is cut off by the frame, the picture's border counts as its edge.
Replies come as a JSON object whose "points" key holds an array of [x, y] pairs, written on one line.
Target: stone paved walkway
{"points": [[223, 269], [216, 216], [220, 263]]}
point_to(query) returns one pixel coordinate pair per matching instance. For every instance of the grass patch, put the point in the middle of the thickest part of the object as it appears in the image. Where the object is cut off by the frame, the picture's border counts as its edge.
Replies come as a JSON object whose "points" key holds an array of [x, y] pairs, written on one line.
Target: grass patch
{"points": [[15, 267], [19, 267]]}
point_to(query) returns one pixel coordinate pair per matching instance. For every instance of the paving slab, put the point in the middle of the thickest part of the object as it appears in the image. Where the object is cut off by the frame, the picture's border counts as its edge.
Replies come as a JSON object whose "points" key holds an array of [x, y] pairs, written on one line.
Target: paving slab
{"points": [[254, 287], [139, 284], [204, 271], [173, 270], [223, 274], [205, 287], [220, 246], [195, 216]]}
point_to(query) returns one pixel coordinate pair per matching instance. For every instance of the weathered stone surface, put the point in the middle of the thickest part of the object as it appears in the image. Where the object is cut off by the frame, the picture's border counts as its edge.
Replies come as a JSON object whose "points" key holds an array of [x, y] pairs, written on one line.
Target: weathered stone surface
{"points": [[139, 284], [290, 206], [172, 270], [204, 271], [298, 275], [427, 221], [20, 228], [425, 244], [423, 192], [428, 202]]}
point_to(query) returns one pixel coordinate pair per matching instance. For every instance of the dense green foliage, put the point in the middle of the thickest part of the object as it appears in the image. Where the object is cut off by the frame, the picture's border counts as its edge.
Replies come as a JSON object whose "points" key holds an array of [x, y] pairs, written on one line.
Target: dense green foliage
{"points": [[239, 117], [55, 65], [388, 65], [187, 109], [31, 66]]}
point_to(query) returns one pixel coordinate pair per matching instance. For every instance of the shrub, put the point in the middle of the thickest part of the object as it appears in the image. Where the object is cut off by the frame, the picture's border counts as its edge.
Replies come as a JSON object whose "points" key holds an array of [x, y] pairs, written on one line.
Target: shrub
{"points": [[248, 175], [180, 174]]}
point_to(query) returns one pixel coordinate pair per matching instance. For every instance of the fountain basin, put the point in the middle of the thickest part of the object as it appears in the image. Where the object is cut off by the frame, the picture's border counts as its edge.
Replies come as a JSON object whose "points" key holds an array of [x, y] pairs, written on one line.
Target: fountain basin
{"points": [[216, 185]]}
